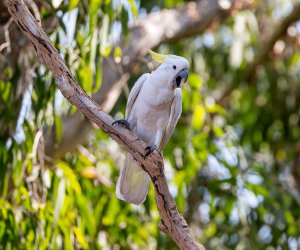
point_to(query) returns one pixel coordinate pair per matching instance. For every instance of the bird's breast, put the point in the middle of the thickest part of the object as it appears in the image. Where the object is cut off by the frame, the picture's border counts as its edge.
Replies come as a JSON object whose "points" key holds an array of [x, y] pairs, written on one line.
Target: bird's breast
{"points": [[149, 118], [151, 110], [157, 98]]}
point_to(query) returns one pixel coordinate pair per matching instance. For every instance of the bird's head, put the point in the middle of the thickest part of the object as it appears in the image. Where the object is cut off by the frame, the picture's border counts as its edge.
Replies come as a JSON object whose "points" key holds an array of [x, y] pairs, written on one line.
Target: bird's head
{"points": [[174, 68]]}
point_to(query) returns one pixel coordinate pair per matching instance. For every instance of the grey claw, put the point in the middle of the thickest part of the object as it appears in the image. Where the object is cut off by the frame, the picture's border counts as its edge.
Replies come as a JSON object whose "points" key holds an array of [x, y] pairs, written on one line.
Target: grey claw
{"points": [[149, 149], [122, 122]]}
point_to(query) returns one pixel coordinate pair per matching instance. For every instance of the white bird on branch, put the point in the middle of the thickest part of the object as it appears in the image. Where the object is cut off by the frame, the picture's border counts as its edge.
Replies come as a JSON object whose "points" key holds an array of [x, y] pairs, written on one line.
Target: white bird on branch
{"points": [[153, 108]]}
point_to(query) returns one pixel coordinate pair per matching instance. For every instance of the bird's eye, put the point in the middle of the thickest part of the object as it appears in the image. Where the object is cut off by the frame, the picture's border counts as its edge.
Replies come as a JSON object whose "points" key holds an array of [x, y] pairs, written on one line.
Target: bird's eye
{"points": [[174, 66]]}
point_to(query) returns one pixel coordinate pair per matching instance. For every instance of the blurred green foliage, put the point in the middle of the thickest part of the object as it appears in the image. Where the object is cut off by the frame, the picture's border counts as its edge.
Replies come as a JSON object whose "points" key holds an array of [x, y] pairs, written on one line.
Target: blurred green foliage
{"points": [[229, 163]]}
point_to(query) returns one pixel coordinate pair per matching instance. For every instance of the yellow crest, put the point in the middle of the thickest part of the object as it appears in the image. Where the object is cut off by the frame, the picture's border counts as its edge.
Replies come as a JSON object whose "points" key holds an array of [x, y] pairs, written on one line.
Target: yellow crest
{"points": [[157, 57]]}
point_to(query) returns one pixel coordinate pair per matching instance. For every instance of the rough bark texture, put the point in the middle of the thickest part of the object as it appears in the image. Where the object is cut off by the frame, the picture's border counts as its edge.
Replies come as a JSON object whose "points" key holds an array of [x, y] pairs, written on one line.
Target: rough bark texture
{"points": [[172, 222], [160, 27]]}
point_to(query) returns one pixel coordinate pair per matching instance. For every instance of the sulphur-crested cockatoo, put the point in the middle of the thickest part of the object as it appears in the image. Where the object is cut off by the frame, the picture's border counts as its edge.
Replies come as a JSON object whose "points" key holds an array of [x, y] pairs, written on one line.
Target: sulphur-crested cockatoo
{"points": [[153, 108]]}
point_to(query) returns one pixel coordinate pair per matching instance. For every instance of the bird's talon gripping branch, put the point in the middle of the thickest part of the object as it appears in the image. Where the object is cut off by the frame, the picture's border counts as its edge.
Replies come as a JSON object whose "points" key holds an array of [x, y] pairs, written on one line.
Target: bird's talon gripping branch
{"points": [[149, 149], [122, 122]]}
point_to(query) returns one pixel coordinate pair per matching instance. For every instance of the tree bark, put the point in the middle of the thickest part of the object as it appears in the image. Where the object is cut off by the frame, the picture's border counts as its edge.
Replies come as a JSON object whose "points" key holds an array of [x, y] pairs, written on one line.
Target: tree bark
{"points": [[172, 222]]}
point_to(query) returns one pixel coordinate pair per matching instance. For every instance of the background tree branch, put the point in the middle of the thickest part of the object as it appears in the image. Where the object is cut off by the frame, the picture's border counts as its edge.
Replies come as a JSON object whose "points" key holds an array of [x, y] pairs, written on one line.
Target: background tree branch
{"points": [[172, 222], [264, 48], [267, 45]]}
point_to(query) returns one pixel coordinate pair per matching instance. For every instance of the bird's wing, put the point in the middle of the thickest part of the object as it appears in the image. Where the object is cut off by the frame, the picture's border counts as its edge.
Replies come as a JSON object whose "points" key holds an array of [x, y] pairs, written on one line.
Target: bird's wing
{"points": [[134, 93], [175, 112]]}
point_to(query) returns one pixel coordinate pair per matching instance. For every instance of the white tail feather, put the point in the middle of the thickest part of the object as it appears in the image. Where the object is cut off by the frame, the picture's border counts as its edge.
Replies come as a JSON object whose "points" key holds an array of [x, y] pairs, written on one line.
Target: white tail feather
{"points": [[133, 182]]}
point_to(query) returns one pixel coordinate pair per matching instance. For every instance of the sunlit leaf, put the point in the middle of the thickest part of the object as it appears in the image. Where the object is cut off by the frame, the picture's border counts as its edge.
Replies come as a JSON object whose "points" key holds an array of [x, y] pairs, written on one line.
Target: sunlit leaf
{"points": [[58, 127], [195, 81], [70, 176], [103, 36], [215, 108], [73, 4], [80, 237], [59, 199], [86, 78], [133, 8], [198, 117], [118, 54]]}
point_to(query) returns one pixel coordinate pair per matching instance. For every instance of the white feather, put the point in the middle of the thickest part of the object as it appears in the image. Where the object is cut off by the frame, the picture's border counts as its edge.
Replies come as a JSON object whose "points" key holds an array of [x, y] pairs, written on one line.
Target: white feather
{"points": [[133, 182], [153, 109]]}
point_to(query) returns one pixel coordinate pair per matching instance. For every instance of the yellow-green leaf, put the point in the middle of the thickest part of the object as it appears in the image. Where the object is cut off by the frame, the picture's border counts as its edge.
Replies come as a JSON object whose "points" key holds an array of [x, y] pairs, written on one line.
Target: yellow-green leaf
{"points": [[195, 81], [58, 127], [215, 108], [80, 237], [118, 54], [73, 4], [86, 78], [70, 176], [198, 117]]}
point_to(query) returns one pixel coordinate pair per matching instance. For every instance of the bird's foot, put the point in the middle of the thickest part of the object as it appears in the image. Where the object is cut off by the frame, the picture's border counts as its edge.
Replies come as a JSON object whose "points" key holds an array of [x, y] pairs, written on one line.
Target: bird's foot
{"points": [[149, 149], [122, 122]]}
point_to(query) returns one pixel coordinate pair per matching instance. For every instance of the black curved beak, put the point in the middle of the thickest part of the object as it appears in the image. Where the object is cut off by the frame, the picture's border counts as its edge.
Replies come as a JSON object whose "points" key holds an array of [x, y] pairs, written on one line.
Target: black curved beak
{"points": [[181, 76]]}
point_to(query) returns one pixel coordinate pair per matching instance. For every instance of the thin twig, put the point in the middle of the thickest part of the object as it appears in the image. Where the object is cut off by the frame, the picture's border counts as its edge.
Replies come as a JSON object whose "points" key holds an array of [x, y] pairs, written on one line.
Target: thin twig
{"points": [[7, 38]]}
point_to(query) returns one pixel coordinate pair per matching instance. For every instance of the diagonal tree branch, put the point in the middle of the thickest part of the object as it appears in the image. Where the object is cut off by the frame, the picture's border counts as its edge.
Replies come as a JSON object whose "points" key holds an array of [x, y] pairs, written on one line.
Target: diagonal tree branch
{"points": [[264, 49], [172, 222], [166, 26], [267, 45]]}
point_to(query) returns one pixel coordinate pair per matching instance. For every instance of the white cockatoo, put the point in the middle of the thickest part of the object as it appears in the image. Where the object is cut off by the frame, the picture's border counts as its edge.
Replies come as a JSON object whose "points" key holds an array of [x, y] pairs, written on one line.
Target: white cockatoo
{"points": [[153, 108]]}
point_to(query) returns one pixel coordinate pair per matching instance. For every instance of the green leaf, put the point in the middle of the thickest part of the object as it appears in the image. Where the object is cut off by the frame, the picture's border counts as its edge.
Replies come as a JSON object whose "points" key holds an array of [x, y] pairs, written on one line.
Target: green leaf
{"points": [[104, 47], [73, 4], [211, 229], [86, 78], [80, 237], [198, 117], [215, 108], [118, 54], [98, 78], [60, 197], [133, 8], [195, 81], [94, 7], [70, 177], [58, 127], [218, 131]]}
